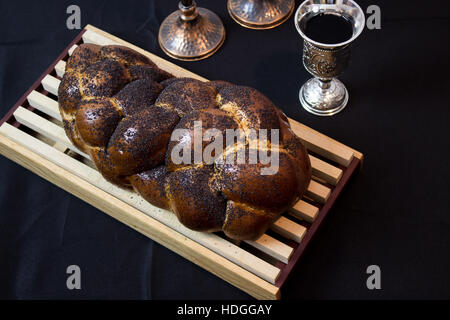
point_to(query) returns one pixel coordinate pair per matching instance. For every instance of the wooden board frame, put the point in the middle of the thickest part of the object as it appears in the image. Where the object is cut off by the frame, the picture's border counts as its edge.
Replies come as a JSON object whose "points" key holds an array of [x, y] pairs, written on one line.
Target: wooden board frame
{"points": [[334, 165]]}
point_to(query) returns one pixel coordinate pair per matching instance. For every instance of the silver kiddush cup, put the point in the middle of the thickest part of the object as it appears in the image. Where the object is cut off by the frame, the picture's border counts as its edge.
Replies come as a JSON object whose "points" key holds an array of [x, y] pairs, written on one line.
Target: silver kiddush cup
{"points": [[325, 95]]}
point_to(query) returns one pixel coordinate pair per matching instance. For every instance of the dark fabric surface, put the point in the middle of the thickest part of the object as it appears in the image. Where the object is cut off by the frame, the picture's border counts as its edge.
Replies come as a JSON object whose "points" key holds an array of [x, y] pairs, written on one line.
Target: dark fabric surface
{"points": [[395, 213]]}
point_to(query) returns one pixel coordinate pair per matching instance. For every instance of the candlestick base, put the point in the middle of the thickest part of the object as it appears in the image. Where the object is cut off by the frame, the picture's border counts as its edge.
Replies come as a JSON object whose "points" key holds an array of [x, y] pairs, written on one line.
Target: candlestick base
{"points": [[260, 14], [191, 34]]}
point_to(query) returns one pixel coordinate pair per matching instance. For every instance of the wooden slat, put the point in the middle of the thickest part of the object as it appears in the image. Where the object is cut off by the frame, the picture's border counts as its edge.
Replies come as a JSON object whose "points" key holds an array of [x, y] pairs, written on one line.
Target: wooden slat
{"points": [[289, 229], [139, 221], [323, 145], [318, 192], [96, 38], [51, 84], [325, 171], [60, 147], [304, 210], [71, 50], [46, 128], [44, 104], [211, 241], [272, 247], [60, 68]]}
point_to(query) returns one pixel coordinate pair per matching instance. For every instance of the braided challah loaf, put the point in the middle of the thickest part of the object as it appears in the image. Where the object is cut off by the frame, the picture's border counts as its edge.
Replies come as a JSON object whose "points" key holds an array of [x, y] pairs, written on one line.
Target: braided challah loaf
{"points": [[122, 110]]}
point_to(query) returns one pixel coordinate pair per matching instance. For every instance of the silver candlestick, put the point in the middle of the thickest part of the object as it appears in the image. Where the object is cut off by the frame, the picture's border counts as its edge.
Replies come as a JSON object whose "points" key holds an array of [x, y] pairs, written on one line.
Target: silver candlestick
{"points": [[191, 33], [260, 14], [325, 95]]}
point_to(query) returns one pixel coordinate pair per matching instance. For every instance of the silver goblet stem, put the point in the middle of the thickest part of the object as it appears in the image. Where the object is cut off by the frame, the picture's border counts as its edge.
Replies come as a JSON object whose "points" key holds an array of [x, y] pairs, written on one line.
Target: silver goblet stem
{"points": [[325, 95]]}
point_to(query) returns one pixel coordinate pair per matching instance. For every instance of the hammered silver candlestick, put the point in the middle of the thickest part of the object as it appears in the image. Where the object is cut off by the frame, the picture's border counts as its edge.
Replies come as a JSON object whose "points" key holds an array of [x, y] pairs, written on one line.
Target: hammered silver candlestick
{"points": [[325, 95], [260, 14], [191, 33]]}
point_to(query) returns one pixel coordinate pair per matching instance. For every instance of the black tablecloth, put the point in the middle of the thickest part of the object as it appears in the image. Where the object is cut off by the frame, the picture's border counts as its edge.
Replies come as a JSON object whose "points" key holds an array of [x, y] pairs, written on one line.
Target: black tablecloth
{"points": [[394, 214]]}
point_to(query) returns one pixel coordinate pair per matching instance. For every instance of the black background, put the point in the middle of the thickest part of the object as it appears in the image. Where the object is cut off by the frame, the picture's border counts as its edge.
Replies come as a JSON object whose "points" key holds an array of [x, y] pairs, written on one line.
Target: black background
{"points": [[395, 213]]}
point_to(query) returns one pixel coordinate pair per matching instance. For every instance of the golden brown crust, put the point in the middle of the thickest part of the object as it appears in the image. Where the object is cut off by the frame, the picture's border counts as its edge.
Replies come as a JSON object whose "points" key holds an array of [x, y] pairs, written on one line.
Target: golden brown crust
{"points": [[299, 154], [122, 110], [74, 135], [69, 95], [255, 189], [254, 110], [96, 121], [139, 142], [246, 223], [151, 185], [108, 168]]}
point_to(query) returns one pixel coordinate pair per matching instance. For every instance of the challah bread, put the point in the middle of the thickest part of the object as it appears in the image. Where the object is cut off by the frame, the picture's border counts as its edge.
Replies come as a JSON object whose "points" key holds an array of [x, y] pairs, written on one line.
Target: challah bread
{"points": [[122, 110]]}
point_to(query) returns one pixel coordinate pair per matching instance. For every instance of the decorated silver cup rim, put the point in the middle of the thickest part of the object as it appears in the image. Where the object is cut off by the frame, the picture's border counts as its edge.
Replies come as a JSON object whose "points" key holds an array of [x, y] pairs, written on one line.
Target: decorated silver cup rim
{"points": [[359, 27]]}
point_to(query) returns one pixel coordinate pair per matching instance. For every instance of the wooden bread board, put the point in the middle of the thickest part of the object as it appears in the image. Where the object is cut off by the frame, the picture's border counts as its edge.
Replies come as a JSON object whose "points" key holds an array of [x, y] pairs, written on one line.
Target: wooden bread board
{"points": [[31, 134]]}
